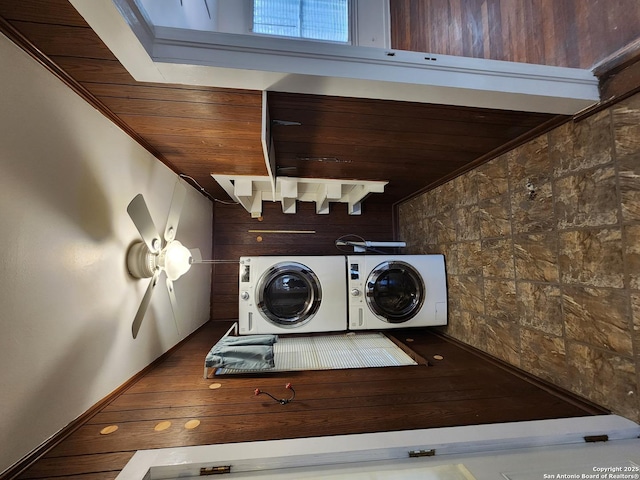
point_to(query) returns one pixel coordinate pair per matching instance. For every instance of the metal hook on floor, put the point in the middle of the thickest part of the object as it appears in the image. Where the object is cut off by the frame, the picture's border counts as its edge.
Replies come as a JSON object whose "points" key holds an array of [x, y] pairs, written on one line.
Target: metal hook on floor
{"points": [[282, 401]]}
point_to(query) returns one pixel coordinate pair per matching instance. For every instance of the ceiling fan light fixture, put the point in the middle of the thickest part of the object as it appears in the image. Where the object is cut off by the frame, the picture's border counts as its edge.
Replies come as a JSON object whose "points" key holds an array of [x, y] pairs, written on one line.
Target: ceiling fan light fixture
{"points": [[176, 260], [148, 258], [141, 263]]}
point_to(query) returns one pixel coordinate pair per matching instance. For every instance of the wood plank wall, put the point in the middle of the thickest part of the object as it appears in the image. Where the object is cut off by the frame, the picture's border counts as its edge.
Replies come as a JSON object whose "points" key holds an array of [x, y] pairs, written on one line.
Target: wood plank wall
{"points": [[569, 33], [232, 239]]}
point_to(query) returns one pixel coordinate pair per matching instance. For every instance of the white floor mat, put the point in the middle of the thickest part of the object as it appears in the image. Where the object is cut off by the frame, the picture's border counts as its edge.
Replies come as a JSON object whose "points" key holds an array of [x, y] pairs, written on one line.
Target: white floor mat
{"points": [[330, 352]]}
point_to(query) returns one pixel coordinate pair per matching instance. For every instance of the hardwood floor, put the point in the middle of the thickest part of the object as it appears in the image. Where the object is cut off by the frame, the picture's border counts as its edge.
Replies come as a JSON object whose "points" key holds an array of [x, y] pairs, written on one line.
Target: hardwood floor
{"points": [[461, 389]]}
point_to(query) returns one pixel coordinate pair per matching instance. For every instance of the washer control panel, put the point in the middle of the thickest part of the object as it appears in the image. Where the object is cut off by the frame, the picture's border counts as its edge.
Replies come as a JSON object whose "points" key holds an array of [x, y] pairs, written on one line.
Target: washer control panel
{"points": [[357, 277], [356, 284], [245, 279], [354, 271]]}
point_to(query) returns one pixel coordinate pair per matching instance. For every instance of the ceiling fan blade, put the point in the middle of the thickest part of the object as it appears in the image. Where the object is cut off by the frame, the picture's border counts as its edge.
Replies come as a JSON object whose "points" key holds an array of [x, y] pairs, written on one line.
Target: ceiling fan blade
{"points": [[142, 310], [174, 304], [196, 255], [177, 201], [141, 217]]}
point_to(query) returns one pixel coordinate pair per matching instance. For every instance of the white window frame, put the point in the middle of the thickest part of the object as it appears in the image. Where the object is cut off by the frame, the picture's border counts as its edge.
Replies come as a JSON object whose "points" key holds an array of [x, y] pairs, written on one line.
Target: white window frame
{"points": [[369, 21]]}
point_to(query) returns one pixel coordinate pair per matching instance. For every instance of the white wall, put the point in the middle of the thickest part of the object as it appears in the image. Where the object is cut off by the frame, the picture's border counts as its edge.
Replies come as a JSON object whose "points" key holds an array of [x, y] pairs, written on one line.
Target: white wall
{"points": [[66, 177]]}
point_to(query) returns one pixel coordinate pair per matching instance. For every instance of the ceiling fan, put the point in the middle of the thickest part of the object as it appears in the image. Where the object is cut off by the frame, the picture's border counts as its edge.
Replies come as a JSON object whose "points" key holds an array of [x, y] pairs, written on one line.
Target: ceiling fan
{"points": [[151, 256]]}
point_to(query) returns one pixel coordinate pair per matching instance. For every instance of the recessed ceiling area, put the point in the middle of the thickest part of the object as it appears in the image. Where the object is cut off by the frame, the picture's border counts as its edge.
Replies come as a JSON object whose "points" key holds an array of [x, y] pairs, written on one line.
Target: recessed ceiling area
{"points": [[168, 54], [199, 130]]}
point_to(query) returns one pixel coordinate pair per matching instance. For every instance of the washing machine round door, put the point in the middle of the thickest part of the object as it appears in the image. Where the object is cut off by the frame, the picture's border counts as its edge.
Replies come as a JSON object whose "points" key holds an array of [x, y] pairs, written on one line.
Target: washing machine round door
{"points": [[288, 294], [395, 291]]}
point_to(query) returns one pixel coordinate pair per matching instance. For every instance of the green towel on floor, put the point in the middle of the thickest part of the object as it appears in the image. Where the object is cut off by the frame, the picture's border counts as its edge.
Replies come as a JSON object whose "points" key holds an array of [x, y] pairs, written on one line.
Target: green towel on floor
{"points": [[253, 352]]}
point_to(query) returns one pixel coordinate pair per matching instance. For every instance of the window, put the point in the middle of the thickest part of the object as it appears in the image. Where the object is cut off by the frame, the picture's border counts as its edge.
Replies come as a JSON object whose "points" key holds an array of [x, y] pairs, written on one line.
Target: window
{"points": [[311, 19], [350, 22]]}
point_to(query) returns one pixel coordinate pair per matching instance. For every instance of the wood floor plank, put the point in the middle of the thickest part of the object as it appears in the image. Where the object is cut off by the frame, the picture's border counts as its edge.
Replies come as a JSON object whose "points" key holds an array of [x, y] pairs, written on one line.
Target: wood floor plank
{"points": [[216, 409], [108, 465], [237, 401], [332, 390], [278, 423], [408, 374]]}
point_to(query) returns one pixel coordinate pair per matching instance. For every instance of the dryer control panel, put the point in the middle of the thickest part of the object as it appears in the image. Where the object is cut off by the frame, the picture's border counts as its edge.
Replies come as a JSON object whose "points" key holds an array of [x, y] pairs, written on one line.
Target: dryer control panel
{"points": [[356, 295], [356, 286], [245, 273], [354, 271], [245, 306]]}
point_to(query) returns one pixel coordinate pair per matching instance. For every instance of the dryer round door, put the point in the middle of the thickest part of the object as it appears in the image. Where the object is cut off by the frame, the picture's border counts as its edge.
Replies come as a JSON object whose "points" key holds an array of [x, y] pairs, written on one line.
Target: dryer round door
{"points": [[395, 291], [288, 294]]}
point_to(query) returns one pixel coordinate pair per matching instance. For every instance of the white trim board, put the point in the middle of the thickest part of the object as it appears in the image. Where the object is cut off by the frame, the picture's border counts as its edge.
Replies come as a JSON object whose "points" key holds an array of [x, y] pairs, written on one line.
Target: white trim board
{"points": [[170, 55], [451, 445]]}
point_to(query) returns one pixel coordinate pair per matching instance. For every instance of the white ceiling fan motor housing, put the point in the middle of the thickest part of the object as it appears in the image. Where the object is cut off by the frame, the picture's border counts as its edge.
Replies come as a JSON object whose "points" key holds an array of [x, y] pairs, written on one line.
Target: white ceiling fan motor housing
{"points": [[141, 263]]}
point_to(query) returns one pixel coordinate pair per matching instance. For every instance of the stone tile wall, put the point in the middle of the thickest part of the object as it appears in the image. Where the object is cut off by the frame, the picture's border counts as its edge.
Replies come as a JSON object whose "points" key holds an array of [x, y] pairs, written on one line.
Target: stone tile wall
{"points": [[542, 247]]}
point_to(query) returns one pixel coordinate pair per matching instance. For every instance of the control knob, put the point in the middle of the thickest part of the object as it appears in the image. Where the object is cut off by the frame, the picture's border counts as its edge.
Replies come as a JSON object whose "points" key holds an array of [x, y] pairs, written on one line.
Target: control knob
{"points": [[244, 295], [355, 292]]}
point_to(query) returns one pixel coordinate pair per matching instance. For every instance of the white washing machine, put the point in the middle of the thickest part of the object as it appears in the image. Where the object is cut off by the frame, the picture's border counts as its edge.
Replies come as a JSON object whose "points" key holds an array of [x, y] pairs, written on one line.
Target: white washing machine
{"points": [[396, 291], [303, 294]]}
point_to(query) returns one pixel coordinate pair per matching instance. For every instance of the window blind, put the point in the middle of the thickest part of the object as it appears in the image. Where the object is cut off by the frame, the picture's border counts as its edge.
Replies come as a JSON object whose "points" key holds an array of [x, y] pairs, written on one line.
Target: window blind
{"points": [[312, 19]]}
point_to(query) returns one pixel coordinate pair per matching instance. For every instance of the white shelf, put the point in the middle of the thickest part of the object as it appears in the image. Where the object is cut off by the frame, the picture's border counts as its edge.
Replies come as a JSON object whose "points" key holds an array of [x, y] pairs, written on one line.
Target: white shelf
{"points": [[251, 191]]}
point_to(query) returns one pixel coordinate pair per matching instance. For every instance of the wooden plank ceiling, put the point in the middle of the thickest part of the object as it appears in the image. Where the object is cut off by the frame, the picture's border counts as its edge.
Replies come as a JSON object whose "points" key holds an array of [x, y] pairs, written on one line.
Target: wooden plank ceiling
{"points": [[566, 33], [202, 130]]}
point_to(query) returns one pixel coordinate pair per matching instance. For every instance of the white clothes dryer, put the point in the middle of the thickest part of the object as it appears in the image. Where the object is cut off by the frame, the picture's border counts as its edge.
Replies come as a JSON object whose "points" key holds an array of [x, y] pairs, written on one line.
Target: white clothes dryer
{"points": [[396, 291], [303, 294]]}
